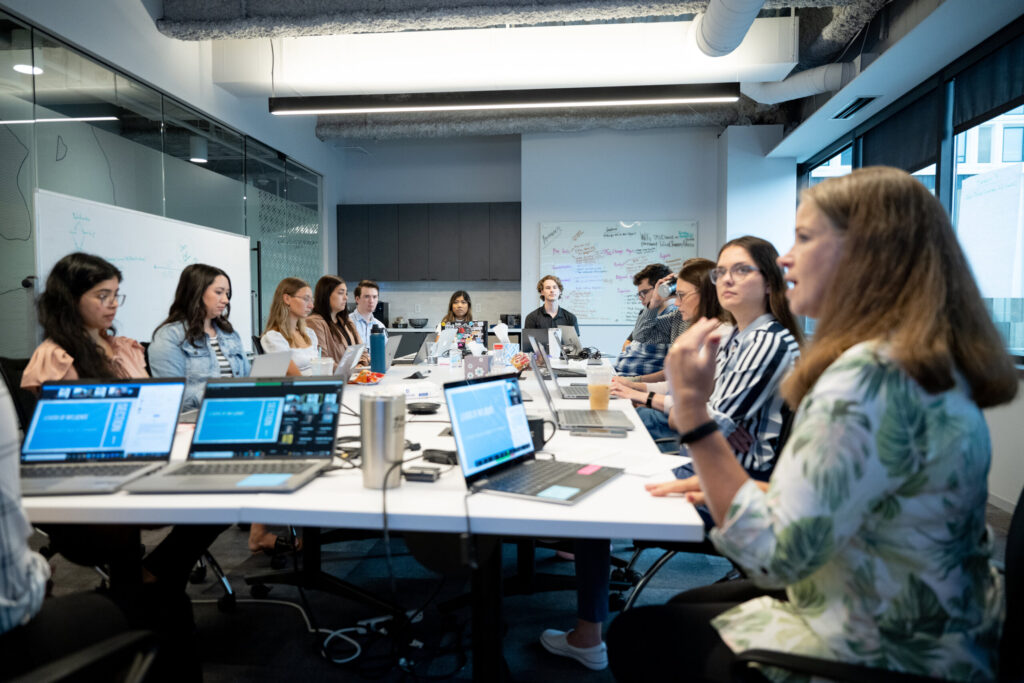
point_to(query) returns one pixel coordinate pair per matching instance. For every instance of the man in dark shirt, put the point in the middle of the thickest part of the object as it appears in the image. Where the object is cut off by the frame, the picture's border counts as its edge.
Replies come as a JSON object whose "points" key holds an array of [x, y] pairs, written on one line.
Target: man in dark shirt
{"points": [[550, 314]]}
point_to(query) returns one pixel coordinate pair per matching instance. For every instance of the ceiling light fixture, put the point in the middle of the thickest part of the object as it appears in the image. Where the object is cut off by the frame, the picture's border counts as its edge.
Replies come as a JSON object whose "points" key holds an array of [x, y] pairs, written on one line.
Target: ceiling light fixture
{"points": [[65, 119], [625, 96], [27, 69], [197, 149]]}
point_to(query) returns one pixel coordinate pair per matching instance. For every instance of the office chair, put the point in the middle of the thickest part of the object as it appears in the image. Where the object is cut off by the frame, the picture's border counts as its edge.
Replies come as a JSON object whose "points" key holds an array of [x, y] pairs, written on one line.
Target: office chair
{"points": [[125, 657], [1011, 659], [24, 400], [257, 345]]}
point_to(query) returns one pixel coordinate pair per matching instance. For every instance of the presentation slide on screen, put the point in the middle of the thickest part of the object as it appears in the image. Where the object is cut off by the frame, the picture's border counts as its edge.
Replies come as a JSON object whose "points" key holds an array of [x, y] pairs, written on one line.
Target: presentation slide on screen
{"points": [[487, 428], [239, 420]]}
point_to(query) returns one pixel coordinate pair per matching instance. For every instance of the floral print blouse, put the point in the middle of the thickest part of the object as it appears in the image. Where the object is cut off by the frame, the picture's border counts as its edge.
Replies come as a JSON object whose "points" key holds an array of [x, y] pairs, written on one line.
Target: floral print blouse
{"points": [[874, 522]]}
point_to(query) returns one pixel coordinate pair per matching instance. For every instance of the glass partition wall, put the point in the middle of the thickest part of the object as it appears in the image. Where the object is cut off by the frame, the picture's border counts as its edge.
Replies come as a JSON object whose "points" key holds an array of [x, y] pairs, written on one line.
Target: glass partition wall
{"points": [[73, 125]]}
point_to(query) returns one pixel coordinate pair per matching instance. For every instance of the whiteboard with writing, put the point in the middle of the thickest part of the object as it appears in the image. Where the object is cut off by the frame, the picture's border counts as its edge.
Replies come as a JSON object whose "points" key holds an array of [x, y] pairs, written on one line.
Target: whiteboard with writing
{"points": [[596, 261], [151, 251]]}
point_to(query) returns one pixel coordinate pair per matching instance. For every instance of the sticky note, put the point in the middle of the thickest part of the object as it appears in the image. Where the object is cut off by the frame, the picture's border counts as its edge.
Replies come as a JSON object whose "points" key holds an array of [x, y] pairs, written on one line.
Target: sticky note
{"points": [[266, 479], [559, 492], [589, 469]]}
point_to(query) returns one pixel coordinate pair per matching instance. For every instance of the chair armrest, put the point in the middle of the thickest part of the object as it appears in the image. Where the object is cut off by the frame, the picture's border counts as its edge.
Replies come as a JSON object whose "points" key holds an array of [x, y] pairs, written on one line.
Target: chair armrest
{"points": [[100, 660], [830, 669]]}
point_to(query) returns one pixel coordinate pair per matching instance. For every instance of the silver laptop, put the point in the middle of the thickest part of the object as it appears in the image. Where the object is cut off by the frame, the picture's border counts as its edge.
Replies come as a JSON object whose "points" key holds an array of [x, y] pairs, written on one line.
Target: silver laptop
{"points": [[495, 448], [271, 364], [348, 361], [267, 435], [90, 436], [419, 358], [571, 391], [390, 349], [580, 419]]}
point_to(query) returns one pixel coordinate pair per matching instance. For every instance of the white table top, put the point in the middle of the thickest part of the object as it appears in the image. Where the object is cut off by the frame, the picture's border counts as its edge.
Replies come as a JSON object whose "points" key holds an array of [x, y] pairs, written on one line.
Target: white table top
{"points": [[620, 508]]}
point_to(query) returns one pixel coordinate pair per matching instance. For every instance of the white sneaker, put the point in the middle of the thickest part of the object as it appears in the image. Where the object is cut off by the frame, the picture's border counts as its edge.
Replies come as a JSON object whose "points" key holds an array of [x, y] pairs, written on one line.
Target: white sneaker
{"points": [[555, 642]]}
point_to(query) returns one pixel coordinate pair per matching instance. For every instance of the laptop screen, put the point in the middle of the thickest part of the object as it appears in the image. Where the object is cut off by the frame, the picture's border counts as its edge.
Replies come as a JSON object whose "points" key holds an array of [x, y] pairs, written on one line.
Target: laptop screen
{"points": [[267, 419], [116, 420], [488, 423]]}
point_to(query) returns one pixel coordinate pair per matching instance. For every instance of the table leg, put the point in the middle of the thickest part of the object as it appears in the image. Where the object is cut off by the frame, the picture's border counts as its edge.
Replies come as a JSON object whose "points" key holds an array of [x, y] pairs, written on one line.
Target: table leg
{"points": [[488, 659]]}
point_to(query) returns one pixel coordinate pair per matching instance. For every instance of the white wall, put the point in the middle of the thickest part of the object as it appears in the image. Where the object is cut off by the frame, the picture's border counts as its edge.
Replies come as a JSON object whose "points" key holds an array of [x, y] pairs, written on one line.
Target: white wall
{"points": [[759, 196], [1006, 426], [616, 175]]}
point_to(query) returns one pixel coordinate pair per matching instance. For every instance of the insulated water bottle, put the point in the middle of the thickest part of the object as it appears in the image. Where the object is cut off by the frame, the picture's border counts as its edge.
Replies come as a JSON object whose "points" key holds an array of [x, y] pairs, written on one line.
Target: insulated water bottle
{"points": [[378, 346]]}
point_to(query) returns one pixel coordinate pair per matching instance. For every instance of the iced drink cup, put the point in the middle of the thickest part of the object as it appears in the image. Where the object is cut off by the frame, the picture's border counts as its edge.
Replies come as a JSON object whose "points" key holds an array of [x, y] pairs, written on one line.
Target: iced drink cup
{"points": [[599, 384]]}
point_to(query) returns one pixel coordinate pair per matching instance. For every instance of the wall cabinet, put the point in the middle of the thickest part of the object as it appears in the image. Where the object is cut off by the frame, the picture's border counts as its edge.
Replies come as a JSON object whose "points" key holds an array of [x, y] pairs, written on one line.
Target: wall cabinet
{"points": [[452, 242]]}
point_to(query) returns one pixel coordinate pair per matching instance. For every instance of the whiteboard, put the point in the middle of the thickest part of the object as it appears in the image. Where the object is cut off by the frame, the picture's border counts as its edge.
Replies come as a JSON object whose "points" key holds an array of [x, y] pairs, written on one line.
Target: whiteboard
{"points": [[151, 251], [596, 262]]}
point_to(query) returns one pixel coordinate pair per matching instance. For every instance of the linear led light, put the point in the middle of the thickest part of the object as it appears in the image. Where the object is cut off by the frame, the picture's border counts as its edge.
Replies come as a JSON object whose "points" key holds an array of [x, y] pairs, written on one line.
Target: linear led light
{"points": [[625, 96], [59, 120]]}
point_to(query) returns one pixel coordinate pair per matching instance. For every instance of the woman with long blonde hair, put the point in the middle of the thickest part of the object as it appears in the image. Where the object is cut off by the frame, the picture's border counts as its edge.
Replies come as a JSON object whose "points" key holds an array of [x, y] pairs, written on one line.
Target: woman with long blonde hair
{"points": [[286, 324]]}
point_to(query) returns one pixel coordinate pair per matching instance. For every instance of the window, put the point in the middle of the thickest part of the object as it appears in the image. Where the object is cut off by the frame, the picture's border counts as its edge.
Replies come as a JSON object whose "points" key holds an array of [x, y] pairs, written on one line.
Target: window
{"points": [[927, 177], [846, 157], [840, 164], [984, 144], [988, 222], [961, 149], [1013, 144]]}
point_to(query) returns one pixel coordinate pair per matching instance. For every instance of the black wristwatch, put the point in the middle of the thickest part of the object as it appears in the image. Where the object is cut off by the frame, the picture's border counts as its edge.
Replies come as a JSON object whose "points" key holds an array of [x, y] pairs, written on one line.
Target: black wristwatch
{"points": [[650, 399], [699, 432]]}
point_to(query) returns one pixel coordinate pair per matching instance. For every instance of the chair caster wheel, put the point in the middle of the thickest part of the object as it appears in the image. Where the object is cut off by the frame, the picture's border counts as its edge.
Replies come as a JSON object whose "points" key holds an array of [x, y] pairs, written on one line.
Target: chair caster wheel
{"points": [[259, 591], [633, 576], [226, 603], [198, 574]]}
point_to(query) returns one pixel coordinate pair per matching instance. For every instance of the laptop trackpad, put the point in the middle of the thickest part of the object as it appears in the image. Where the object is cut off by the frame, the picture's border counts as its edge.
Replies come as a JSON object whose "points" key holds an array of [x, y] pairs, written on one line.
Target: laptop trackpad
{"points": [[265, 479]]}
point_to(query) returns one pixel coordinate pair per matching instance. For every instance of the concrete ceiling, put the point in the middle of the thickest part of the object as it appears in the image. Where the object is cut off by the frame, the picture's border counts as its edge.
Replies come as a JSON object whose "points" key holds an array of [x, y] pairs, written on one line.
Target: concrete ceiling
{"points": [[826, 29]]}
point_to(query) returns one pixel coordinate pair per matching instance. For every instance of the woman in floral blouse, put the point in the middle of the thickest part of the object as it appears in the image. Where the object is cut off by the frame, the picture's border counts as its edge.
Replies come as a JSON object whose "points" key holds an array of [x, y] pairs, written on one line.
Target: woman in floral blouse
{"points": [[873, 523]]}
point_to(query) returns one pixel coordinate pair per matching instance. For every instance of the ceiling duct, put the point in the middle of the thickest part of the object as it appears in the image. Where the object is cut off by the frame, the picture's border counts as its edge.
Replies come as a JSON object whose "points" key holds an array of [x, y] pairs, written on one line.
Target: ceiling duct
{"points": [[721, 28], [828, 78]]}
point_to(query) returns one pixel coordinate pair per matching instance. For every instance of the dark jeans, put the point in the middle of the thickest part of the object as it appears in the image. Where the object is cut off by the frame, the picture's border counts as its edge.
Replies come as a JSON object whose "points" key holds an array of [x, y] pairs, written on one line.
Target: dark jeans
{"points": [[676, 641]]}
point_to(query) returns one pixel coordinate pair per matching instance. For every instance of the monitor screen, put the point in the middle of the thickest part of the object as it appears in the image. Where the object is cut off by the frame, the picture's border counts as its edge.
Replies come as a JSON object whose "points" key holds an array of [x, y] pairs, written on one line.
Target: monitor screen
{"points": [[488, 423], [267, 419], [80, 421]]}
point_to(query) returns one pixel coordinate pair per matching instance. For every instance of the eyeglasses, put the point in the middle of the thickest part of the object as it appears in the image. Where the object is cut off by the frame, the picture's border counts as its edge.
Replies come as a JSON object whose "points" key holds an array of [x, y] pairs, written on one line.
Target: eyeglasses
{"points": [[307, 299], [642, 294], [682, 296], [110, 299], [739, 272]]}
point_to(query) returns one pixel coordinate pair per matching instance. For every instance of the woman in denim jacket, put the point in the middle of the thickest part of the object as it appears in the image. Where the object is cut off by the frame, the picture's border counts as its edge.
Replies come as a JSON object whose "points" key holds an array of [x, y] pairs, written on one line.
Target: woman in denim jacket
{"points": [[196, 341]]}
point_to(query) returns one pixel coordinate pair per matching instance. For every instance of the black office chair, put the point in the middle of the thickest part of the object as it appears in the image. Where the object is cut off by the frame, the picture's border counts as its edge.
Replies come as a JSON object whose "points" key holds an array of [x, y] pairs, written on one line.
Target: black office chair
{"points": [[1011, 655], [24, 401], [257, 345], [125, 657]]}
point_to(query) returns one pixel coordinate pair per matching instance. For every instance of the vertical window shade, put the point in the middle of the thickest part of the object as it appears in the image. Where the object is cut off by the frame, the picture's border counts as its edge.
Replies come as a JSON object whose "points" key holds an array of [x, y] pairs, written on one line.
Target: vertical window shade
{"points": [[908, 139], [989, 87]]}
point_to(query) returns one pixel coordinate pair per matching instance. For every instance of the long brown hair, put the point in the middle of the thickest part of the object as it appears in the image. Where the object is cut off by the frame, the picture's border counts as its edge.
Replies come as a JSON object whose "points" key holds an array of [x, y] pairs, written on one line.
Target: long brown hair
{"points": [[277, 319], [450, 315], [765, 257], [902, 278], [339, 325], [697, 271], [188, 307]]}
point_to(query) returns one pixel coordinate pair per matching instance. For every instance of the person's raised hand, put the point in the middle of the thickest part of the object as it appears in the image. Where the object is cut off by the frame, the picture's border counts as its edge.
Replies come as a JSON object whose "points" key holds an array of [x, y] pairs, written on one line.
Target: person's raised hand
{"points": [[690, 363], [654, 300]]}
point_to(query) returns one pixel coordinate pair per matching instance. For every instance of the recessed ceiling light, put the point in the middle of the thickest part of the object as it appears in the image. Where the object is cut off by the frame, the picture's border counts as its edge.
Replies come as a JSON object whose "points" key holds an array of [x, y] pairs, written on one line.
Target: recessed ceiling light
{"points": [[28, 69]]}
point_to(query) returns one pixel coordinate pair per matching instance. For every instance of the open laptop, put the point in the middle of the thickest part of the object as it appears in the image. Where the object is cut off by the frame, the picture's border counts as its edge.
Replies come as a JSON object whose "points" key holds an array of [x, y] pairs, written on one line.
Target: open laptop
{"points": [[537, 340], [580, 419], [264, 435], [495, 448], [348, 361], [390, 349], [93, 436], [419, 357], [271, 364], [572, 391]]}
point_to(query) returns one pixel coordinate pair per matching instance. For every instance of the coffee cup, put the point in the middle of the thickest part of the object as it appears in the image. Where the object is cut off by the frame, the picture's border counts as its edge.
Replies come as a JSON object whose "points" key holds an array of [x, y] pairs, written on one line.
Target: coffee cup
{"points": [[599, 385]]}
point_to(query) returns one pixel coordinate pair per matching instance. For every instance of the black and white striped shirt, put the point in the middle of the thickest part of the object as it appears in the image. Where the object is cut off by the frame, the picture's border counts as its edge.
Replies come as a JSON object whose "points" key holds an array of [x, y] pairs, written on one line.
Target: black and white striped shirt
{"points": [[749, 367], [222, 362]]}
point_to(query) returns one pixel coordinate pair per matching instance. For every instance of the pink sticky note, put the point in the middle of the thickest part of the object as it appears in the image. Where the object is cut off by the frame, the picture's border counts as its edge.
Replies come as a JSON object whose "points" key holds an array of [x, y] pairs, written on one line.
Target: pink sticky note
{"points": [[589, 469]]}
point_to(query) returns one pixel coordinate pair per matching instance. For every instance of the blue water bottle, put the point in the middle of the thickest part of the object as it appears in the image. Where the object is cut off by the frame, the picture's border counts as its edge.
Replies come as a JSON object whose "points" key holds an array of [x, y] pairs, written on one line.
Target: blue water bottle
{"points": [[378, 360]]}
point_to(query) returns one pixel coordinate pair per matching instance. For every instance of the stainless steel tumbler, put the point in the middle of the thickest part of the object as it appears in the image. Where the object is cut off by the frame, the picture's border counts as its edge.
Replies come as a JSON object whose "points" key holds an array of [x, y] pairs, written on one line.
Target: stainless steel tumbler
{"points": [[382, 425]]}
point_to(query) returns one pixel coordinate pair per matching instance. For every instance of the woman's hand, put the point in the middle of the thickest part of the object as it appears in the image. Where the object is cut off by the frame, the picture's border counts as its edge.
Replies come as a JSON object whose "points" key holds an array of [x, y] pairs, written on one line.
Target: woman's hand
{"points": [[628, 384], [690, 365], [740, 440], [625, 392], [689, 487]]}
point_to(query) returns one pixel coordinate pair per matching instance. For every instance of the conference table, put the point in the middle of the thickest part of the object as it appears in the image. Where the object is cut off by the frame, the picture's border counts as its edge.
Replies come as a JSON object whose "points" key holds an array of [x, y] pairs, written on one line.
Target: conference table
{"points": [[337, 499]]}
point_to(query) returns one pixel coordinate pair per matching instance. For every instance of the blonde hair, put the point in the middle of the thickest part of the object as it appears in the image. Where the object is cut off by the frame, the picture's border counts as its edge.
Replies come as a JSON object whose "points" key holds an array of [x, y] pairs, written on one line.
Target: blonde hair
{"points": [[903, 278], [277, 320]]}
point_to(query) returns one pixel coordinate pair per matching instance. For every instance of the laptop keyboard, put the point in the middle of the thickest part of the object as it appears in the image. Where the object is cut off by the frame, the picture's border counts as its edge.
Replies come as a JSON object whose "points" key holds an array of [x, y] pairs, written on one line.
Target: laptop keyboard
{"points": [[532, 478], [63, 471], [586, 418], [575, 392], [205, 468]]}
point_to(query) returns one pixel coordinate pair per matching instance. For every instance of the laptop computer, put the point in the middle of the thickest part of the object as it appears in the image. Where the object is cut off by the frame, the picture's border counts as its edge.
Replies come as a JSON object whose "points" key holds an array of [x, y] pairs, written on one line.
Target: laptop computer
{"points": [[537, 340], [495, 448], [94, 436], [572, 391], [579, 419], [390, 349], [348, 361], [266, 435], [271, 364]]}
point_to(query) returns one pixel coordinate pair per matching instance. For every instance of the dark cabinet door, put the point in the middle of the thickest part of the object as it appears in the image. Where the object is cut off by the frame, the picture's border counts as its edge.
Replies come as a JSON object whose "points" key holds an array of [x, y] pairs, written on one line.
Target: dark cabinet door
{"points": [[474, 242], [352, 241], [444, 242], [382, 242], [505, 229], [412, 241]]}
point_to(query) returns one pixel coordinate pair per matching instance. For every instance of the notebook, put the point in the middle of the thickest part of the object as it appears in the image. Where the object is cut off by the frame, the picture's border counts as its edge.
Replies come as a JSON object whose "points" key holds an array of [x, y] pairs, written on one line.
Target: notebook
{"points": [[348, 361], [495, 448], [89, 436], [266, 435], [578, 419]]}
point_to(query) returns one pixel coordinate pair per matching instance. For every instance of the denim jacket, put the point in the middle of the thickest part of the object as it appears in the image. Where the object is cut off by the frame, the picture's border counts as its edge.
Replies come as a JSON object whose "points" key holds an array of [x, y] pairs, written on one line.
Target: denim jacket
{"points": [[170, 355]]}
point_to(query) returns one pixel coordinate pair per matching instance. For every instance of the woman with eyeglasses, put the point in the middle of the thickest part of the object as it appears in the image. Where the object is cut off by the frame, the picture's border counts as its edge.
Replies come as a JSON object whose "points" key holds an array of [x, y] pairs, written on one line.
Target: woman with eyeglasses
{"points": [[286, 325], [869, 546], [745, 406], [196, 341]]}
